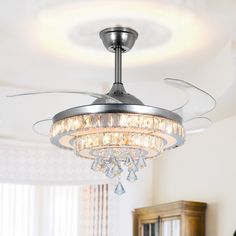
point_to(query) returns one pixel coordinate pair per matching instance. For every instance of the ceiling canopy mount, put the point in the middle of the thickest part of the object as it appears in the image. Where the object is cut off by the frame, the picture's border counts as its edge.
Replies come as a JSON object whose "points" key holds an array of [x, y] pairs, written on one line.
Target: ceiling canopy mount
{"points": [[119, 40], [118, 37]]}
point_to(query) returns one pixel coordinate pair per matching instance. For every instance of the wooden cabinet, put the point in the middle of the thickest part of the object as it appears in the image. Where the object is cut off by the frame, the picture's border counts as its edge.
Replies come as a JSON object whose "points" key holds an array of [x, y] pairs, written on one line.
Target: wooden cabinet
{"points": [[182, 218]]}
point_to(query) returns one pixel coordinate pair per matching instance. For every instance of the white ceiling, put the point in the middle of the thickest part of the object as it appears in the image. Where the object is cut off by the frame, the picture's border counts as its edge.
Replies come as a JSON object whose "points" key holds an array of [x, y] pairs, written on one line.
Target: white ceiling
{"points": [[47, 45], [34, 57]]}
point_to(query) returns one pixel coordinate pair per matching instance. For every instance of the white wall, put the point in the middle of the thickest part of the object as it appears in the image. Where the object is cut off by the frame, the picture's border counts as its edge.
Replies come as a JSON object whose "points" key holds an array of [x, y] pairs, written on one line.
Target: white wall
{"points": [[138, 194], [204, 169]]}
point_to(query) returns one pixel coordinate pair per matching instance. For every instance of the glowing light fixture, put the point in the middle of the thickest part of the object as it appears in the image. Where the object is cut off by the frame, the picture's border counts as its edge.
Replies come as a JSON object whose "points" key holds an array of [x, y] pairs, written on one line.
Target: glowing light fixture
{"points": [[117, 136], [117, 131]]}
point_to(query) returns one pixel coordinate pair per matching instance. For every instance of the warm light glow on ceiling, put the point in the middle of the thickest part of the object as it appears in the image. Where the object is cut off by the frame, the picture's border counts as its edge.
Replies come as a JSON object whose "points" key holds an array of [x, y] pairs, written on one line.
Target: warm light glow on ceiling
{"points": [[53, 28]]}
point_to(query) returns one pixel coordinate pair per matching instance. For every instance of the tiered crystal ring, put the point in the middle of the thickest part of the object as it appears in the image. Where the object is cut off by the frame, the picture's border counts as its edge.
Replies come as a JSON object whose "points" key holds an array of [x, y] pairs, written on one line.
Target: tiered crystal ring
{"points": [[79, 129], [117, 135]]}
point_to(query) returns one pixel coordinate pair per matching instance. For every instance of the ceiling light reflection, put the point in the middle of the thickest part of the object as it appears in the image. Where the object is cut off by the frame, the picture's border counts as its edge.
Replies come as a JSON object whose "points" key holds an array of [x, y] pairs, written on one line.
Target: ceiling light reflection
{"points": [[52, 29]]}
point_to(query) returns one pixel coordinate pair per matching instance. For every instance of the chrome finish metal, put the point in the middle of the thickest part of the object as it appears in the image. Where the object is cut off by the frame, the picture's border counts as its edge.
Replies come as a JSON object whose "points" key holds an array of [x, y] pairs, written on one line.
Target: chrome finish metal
{"points": [[118, 92], [117, 108], [118, 65], [119, 40], [118, 37]]}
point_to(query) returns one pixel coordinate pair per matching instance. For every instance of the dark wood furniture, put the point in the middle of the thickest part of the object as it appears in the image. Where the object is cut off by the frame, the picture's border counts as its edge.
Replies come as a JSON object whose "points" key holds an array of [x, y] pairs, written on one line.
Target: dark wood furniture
{"points": [[182, 218]]}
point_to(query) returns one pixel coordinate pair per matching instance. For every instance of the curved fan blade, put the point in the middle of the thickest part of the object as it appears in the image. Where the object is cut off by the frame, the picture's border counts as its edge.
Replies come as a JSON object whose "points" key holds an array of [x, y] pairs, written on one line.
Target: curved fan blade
{"points": [[199, 103], [197, 125], [107, 98], [42, 127]]}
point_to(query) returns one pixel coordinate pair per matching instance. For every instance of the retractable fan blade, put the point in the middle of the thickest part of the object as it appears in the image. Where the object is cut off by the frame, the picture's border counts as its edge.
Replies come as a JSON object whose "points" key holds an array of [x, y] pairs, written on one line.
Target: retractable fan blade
{"points": [[199, 102], [42, 127], [108, 99], [197, 125]]}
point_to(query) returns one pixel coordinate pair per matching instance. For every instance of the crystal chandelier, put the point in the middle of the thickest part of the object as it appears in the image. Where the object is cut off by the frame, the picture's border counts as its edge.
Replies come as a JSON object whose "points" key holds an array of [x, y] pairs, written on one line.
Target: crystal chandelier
{"points": [[117, 133]]}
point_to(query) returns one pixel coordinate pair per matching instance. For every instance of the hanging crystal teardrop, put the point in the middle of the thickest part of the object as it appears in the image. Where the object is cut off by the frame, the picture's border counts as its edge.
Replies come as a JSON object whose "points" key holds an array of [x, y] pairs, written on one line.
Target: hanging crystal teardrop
{"points": [[141, 163], [134, 168], [132, 177], [94, 165], [98, 165], [115, 170], [109, 173], [119, 189], [128, 161]]}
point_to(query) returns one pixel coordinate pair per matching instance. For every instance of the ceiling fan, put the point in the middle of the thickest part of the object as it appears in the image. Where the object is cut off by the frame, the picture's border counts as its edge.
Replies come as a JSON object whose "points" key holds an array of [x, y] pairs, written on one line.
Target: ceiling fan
{"points": [[117, 131]]}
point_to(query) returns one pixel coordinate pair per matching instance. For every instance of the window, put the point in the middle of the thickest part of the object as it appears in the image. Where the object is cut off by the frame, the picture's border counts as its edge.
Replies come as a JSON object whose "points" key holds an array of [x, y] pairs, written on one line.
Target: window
{"points": [[28, 210]]}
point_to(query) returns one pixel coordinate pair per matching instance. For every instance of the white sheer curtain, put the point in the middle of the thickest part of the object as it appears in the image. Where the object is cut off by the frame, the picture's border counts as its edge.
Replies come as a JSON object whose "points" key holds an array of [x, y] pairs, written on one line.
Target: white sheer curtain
{"points": [[27, 210], [98, 207], [17, 214]]}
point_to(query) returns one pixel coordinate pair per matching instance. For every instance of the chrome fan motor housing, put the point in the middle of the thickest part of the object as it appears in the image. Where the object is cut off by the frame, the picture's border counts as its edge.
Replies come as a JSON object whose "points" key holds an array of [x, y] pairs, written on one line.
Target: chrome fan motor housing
{"points": [[118, 92]]}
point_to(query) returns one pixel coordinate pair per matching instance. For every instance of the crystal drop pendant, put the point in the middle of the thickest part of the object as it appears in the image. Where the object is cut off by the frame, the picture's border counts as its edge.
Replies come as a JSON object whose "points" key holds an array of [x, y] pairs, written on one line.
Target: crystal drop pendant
{"points": [[109, 173], [132, 176], [94, 166], [98, 165], [119, 189], [141, 163], [113, 161], [128, 161], [103, 168], [134, 168], [116, 170]]}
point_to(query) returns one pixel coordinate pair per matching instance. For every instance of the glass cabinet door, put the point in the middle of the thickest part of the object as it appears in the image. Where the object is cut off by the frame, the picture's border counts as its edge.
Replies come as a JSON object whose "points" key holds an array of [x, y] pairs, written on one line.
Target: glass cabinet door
{"points": [[170, 227], [162, 227], [150, 229]]}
